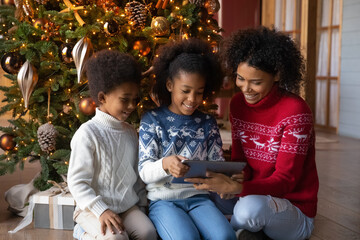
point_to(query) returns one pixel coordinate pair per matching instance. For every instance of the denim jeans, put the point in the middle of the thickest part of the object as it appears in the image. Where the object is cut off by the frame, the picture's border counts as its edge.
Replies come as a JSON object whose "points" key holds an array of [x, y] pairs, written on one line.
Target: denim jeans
{"points": [[278, 218], [193, 218]]}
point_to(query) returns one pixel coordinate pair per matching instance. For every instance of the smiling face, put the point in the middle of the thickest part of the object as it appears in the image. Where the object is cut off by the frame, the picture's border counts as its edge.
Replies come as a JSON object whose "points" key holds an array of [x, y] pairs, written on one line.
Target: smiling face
{"points": [[121, 101], [254, 84], [187, 90]]}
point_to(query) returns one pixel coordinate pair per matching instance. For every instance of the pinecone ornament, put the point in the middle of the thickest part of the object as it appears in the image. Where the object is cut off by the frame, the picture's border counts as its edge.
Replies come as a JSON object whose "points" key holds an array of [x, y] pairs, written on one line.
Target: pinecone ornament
{"points": [[198, 3], [46, 134], [136, 13]]}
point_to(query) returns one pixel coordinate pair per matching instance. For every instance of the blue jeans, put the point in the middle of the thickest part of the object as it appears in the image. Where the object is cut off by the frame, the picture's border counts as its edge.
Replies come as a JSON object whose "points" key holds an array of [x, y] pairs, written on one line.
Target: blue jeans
{"points": [[193, 218], [225, 206], [278, 218]]}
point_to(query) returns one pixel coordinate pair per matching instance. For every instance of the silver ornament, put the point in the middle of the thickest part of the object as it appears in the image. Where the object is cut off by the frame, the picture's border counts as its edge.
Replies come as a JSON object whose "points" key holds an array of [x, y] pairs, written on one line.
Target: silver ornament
{"points": [[27, 79], [81, 52]]}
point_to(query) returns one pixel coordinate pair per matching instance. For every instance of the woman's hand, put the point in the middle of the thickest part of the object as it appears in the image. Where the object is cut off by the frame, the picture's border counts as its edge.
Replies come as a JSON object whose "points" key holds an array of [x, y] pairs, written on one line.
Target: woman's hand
{"points": [[227, 196], [238, 177], [217, 182], [173, 165], [109, 219]]}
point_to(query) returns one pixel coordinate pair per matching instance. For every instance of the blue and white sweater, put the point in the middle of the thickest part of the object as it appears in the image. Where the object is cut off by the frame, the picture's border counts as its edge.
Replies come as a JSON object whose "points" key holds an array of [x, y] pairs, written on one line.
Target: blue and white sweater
{"points": [[164, 133]]}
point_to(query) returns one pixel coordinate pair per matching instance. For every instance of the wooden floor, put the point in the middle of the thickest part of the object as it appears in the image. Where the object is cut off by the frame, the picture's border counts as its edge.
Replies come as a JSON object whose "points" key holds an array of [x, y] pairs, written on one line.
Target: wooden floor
{"points": [[338, 162]]}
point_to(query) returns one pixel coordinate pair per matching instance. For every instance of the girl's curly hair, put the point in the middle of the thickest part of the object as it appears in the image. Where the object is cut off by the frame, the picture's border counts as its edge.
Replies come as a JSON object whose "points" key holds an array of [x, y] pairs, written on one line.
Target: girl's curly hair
{"points": [[108, 69], [190, 56], [266, 50]]}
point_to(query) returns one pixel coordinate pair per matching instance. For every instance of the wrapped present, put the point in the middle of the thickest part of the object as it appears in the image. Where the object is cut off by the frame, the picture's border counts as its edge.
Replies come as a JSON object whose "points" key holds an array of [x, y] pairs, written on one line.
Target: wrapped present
{"points": [[53, 210]]}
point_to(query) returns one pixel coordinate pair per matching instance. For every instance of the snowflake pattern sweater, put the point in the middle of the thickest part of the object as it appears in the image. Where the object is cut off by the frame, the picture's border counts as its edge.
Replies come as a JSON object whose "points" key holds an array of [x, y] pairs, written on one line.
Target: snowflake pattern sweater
{"points": [[163, 133], [276, 138]]}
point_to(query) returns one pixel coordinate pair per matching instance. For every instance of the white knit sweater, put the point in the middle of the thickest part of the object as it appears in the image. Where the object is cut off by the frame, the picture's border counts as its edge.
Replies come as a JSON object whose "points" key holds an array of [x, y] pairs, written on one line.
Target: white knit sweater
{"points": [[103, 166]]}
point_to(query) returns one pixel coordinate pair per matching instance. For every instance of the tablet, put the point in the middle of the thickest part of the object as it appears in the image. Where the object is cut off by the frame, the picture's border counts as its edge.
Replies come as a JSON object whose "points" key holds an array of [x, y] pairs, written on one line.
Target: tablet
{"points": [[199, 168]]}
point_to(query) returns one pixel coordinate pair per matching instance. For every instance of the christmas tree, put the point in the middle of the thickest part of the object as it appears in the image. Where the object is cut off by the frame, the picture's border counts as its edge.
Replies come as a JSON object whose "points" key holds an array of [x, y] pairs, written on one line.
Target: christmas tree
{"points": [[44, 45]]}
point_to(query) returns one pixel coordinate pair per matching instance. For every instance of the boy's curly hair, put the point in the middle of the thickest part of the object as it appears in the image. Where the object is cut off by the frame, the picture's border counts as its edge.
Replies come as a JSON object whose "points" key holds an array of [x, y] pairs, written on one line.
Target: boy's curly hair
{"points": [[190, 56], [266, 50], [108, 69]]}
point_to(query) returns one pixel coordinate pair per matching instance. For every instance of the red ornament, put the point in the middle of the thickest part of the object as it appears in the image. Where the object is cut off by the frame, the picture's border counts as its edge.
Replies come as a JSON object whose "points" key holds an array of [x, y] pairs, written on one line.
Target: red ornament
{"points": [[87, 106], [142, 46], [7, 142]]}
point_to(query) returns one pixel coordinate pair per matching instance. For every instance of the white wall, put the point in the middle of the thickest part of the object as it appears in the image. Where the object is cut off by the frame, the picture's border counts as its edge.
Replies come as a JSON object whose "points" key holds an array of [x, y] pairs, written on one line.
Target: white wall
{"points": [[349, 121]]}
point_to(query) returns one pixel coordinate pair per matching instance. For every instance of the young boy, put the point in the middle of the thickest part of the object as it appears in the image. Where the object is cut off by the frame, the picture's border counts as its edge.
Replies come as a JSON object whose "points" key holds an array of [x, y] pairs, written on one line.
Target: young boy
{"points": [[103, 176]]}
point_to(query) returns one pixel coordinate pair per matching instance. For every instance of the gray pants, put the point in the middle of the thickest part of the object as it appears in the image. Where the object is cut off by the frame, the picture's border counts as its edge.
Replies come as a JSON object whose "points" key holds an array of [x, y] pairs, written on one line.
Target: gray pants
{"points": [[277, 217], [137, 226]]}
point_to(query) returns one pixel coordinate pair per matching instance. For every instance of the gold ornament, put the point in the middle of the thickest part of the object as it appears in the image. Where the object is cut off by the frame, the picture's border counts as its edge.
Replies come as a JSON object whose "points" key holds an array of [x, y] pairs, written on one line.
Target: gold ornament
{"points": [[87, 106], [7, 142], [11, 62], [65, 52], [212, 6], [7, 2], [160, 26], [142, 46], [83, 49], [41, 23], [111, 27], [27, 79]]}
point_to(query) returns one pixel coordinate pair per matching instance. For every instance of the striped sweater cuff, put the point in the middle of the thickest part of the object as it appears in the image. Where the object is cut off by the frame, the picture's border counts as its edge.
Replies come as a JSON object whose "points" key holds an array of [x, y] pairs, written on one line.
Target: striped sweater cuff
{"points": [[98, 208]]}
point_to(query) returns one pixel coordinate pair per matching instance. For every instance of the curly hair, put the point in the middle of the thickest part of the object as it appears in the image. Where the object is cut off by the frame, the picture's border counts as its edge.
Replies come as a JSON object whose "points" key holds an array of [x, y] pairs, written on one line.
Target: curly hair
{"points": [[108, 69], [190, 56], [267, 50]]}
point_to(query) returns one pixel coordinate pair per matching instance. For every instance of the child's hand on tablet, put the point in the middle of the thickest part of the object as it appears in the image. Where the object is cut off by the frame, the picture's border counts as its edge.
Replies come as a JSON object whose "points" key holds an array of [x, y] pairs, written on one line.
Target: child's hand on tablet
{"points": [[172, 164]]}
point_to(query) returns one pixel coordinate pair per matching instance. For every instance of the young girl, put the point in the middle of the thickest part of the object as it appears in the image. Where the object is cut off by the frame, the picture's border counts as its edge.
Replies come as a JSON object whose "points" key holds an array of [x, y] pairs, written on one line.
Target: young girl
{"points": [[186, 73], [272, 130], [103, 176]]}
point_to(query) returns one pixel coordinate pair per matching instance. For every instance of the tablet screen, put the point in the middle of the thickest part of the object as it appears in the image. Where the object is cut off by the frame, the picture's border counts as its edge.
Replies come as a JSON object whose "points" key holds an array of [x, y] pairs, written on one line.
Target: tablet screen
{"points": [[199, 168]]}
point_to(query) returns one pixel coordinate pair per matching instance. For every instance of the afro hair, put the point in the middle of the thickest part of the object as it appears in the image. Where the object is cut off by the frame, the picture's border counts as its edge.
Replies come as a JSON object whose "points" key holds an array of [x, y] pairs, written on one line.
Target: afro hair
{"points": [[266, 50], [108, 69], [190, 56]]}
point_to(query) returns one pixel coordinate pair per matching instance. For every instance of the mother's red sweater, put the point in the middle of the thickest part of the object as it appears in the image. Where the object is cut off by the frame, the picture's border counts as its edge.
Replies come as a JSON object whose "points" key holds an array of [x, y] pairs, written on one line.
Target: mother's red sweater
{"points": [[276, 138]]}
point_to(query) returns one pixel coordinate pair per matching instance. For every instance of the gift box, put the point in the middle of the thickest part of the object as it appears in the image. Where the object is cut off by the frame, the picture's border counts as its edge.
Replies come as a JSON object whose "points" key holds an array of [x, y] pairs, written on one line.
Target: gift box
{"points": [[53, 210]]}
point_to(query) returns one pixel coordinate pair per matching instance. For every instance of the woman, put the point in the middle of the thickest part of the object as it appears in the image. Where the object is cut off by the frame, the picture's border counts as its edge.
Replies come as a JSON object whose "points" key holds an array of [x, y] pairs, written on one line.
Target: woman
{"points": [[272, 130]]}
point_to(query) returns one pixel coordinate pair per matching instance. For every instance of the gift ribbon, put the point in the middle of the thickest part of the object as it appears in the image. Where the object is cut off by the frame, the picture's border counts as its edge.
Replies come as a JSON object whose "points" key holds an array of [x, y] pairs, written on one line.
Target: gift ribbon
{"points": [[27, 219], [55, 211], [76, 14]]}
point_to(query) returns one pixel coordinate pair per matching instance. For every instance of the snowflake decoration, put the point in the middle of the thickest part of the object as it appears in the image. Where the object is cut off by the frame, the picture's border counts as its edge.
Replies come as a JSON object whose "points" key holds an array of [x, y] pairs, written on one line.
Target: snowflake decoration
{"points": [[273, 146], [146, 136], [243, 136], [192, 144], [170, 119], [165, 143], [197, 120], [153, 113], [179, 143], [216, 155]]}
